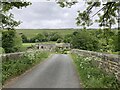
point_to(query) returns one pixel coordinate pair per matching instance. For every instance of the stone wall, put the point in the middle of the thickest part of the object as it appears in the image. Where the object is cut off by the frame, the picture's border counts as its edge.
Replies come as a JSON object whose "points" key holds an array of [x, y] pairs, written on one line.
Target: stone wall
{"points": [[15, 56], [37, 47], [108, 62], [52, 46], [12, 56]]}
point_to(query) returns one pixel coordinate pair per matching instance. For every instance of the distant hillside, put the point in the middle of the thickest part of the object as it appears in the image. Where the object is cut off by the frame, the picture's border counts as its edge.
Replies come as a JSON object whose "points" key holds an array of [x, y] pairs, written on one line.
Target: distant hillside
{"points": [[32, 32]]}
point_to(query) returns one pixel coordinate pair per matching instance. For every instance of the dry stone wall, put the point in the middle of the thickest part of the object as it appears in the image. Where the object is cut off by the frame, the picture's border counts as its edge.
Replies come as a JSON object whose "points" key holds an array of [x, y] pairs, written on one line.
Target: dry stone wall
{"points": [[108, 62], [15, 56]]}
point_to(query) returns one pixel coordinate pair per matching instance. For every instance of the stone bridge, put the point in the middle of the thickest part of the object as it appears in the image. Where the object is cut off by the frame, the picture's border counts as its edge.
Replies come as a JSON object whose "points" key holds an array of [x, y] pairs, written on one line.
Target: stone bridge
{"points": [[52, 46]]}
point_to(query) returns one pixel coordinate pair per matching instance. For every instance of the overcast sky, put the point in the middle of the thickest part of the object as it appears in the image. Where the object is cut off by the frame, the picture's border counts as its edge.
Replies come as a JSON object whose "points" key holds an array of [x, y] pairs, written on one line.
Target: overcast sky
{"points": [[48, 15]]}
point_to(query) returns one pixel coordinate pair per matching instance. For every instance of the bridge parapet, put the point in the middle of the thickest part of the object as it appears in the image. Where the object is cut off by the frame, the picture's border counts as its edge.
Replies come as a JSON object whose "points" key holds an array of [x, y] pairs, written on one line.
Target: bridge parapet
{"points": [[108, 62]]}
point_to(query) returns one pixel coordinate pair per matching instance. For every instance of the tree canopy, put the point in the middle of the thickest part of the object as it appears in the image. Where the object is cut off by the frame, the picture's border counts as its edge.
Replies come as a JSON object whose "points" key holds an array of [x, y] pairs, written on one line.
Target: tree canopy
{"points": [[6, 18], [108, 14]]}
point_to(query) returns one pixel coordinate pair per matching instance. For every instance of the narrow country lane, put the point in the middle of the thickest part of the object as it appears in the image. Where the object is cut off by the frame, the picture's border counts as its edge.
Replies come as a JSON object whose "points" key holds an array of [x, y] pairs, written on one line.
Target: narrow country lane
{"points": [[57, 72]]}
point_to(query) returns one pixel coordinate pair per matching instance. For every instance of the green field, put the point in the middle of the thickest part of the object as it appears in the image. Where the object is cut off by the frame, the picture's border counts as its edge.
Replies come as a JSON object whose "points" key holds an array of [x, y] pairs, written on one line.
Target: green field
{"points": [[30, 44], [32, 32]]}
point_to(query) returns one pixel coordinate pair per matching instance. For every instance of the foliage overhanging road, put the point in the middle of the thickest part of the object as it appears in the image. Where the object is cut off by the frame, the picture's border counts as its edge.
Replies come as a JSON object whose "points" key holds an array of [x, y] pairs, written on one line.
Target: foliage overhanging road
{"points": [[57, 72]]}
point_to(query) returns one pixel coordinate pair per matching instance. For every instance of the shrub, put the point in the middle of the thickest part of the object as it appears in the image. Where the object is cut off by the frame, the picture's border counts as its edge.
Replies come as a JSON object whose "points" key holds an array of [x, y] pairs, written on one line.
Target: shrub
{"points": [[84, 40], [59, 40], [40, 37], [54, 36], [24, 38], [68, 38], [46, 34]]}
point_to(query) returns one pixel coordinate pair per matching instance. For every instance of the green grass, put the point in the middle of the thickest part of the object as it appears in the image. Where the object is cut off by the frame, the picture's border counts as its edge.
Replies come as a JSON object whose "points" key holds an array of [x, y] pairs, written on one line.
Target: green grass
{"points": [[93, 77], [28, 44], [32, 32], [50, 42], [117, 53], [25, 45]]}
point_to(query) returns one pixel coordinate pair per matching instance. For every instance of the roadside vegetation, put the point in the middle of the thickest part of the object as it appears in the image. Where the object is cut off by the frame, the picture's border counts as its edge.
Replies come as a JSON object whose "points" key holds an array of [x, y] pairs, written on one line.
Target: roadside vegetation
{"points": [[93, 77], [13, 68], [106, 40]]}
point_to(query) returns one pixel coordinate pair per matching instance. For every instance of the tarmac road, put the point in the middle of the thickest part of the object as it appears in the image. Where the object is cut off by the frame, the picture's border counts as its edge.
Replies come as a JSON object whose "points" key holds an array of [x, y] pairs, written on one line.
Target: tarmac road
{"points": [[57, 72]]}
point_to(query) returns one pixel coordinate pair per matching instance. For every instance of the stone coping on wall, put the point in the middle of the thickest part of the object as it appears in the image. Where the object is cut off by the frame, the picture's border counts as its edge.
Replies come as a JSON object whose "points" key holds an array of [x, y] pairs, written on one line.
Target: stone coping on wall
{"points": [[111, 57], [16, 55]]}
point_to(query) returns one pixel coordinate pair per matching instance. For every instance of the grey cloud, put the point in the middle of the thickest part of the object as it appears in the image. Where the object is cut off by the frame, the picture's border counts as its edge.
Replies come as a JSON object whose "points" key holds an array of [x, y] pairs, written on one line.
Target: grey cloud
{"points": [[48, 15]]}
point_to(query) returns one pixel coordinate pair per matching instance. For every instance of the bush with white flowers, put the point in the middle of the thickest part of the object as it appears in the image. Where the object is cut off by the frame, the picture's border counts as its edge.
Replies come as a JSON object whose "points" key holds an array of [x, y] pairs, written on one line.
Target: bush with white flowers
{"points": [[12, 68]]}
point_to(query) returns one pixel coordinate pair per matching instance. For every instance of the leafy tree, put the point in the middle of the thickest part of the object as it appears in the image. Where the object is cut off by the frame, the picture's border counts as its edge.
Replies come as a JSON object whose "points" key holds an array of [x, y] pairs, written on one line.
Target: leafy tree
{"points": [[39, 38], [17, 43], [54, 36], [106, 38], [107, 18], [46, 34], [108, 14], [7, 19], [118, 39], [75, 33], [11, 42], [116, 42], [83, 19], [24, 38], [68, 38], [32, 40], [84, 40]]}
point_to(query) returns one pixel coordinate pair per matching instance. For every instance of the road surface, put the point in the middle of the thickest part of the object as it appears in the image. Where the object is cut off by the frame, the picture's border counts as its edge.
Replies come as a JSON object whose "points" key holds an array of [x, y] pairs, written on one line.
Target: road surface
{"points": [[57, 72]]}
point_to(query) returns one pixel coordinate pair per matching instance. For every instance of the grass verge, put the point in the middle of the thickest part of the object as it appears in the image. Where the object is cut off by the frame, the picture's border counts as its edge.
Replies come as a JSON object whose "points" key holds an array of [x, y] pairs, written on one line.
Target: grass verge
{"points": [[13, 68], [93, 77]]}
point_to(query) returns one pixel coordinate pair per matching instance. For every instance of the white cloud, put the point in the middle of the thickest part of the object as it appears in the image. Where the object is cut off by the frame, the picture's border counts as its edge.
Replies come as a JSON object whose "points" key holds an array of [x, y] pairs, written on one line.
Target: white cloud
{"points": [[48, 15]]}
